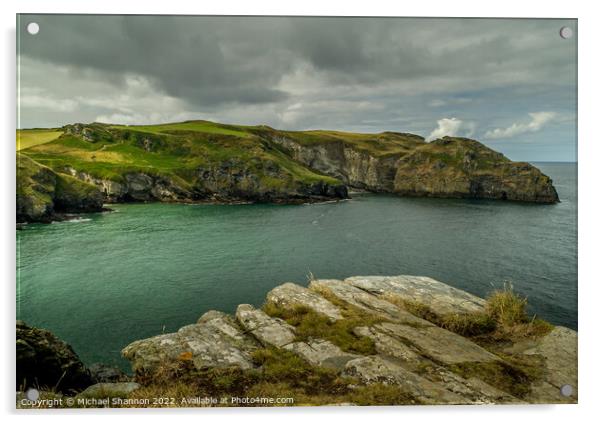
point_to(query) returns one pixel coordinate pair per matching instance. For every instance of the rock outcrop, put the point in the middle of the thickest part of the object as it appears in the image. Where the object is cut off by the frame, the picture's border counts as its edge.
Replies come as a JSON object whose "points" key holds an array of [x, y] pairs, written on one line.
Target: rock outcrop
{"points": [[211, 162], [226, 183], [433, 364], [46, 362], [449, 167], [44, 195], [216, 340]]}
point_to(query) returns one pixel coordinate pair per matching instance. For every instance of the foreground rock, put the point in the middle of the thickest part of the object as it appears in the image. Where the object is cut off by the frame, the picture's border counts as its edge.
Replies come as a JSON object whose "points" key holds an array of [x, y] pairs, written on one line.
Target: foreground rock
{"points": [[114, 389], [432, 364], [559, 350], [291, 295], [439, 296], [267, 330], [102, 373], [216, 340], [46, 362]]}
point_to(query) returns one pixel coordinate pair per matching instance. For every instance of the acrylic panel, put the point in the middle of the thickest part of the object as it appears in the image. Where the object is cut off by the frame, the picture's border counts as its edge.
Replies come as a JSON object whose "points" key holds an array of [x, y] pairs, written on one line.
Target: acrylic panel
{"points": [[242, 211]]}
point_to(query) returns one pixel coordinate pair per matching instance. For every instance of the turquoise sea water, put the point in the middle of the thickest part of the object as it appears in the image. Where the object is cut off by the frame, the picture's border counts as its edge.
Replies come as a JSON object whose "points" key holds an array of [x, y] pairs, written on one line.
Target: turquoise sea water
{"points": [[110, 278]]}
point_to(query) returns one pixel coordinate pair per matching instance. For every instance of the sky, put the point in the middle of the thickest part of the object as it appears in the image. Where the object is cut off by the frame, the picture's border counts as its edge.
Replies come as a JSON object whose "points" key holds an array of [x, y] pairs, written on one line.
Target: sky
{"points": [[509, 83]]}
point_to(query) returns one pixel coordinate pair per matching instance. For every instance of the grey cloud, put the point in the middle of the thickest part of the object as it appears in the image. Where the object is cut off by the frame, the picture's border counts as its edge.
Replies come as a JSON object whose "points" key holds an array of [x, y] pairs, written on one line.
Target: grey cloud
{"points": [[365, 74], [223, 59]]}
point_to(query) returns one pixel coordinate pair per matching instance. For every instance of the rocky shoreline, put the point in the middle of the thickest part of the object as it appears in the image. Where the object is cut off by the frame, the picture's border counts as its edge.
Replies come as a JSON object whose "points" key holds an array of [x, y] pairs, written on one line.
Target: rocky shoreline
{"points": [[91, 164], [417, 336]]}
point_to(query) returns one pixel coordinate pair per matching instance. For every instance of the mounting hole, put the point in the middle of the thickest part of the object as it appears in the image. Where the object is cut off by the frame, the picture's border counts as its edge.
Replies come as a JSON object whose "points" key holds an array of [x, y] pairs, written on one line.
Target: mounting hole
{"points": [[32, 394], [566, 32], [566, 390], [33, 28]]}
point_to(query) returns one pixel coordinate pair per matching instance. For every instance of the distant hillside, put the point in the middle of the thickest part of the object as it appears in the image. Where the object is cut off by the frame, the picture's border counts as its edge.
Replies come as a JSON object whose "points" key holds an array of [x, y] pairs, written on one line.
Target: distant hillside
{"points": [[206, 161], [43, 195], [31, 137]]}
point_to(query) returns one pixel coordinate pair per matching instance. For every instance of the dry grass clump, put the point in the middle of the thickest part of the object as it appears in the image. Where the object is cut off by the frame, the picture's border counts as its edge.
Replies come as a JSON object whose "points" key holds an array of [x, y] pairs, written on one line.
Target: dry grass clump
{"points": [[509, 310], [504, 318]]}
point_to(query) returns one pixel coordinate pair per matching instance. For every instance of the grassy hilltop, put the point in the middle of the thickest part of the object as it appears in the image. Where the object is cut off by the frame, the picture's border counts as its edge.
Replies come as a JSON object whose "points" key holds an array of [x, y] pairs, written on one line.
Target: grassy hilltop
{"points": [[207, 161], [177, 150]]}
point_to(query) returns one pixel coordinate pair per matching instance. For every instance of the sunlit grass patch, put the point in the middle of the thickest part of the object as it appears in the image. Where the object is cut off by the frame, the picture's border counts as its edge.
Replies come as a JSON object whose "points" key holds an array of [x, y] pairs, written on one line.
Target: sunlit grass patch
{"points": [[27, 138]]}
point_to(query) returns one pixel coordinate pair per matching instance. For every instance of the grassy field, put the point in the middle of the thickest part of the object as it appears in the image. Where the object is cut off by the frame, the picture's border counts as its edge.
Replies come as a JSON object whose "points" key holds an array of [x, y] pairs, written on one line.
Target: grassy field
{"points": [[194, 126], [176, 150], [27, 138], [180, 149]]}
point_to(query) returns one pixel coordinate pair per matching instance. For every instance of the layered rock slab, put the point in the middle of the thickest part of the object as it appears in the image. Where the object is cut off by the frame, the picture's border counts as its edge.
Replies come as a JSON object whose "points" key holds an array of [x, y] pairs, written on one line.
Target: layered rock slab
{"points": [[410, 351], [215, 341], [439, 344], [363, 300], [558, 349], [421, 289], [375, 369], [410, 357], [269, 331], [289, 295], [320, 352]]}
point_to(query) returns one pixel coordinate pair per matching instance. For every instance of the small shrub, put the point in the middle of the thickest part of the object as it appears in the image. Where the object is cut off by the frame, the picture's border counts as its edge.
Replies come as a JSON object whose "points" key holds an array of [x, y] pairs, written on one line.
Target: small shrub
{"points": [[506, 307]]}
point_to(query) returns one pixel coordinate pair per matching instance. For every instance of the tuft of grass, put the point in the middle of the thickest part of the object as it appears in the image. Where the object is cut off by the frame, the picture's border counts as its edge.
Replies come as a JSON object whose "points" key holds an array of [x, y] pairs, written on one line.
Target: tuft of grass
{"points": [[469, 324], [504, 318], [507, 307], [310, 325], [416, 308]]}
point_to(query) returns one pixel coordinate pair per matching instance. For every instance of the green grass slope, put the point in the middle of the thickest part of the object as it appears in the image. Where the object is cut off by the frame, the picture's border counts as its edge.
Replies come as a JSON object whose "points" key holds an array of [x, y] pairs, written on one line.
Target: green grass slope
{"points": [[198, 160], [27, 138], [42, 194], [233, 159]]}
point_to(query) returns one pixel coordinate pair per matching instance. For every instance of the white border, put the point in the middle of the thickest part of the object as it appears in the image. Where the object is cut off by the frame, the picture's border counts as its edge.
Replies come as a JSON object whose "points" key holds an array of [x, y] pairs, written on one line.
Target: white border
{"points": [[590, 155]]}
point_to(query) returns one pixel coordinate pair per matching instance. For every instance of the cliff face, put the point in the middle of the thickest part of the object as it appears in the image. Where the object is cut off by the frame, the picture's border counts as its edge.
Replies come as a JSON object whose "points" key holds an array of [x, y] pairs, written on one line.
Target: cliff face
{"points": [[369, 332], [204, 161], [447, 167], [226, 182], [133, 164], [42, 194]]}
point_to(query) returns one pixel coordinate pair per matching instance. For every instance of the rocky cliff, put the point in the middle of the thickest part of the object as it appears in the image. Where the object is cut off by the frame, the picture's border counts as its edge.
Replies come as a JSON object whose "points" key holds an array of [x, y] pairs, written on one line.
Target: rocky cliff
{"points": [[46, 362], [433, 343], [406, 165], [44, 195], [199, 161]]}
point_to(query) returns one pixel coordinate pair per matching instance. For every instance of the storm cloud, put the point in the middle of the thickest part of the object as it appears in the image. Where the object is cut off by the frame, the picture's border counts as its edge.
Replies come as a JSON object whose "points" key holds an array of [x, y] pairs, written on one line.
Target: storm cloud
{"points": [[479, 76]]}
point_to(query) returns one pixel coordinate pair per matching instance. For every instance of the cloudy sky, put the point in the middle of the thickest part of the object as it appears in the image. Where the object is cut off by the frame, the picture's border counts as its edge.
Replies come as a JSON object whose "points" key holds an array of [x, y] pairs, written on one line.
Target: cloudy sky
{"points": [[508, 83]]}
